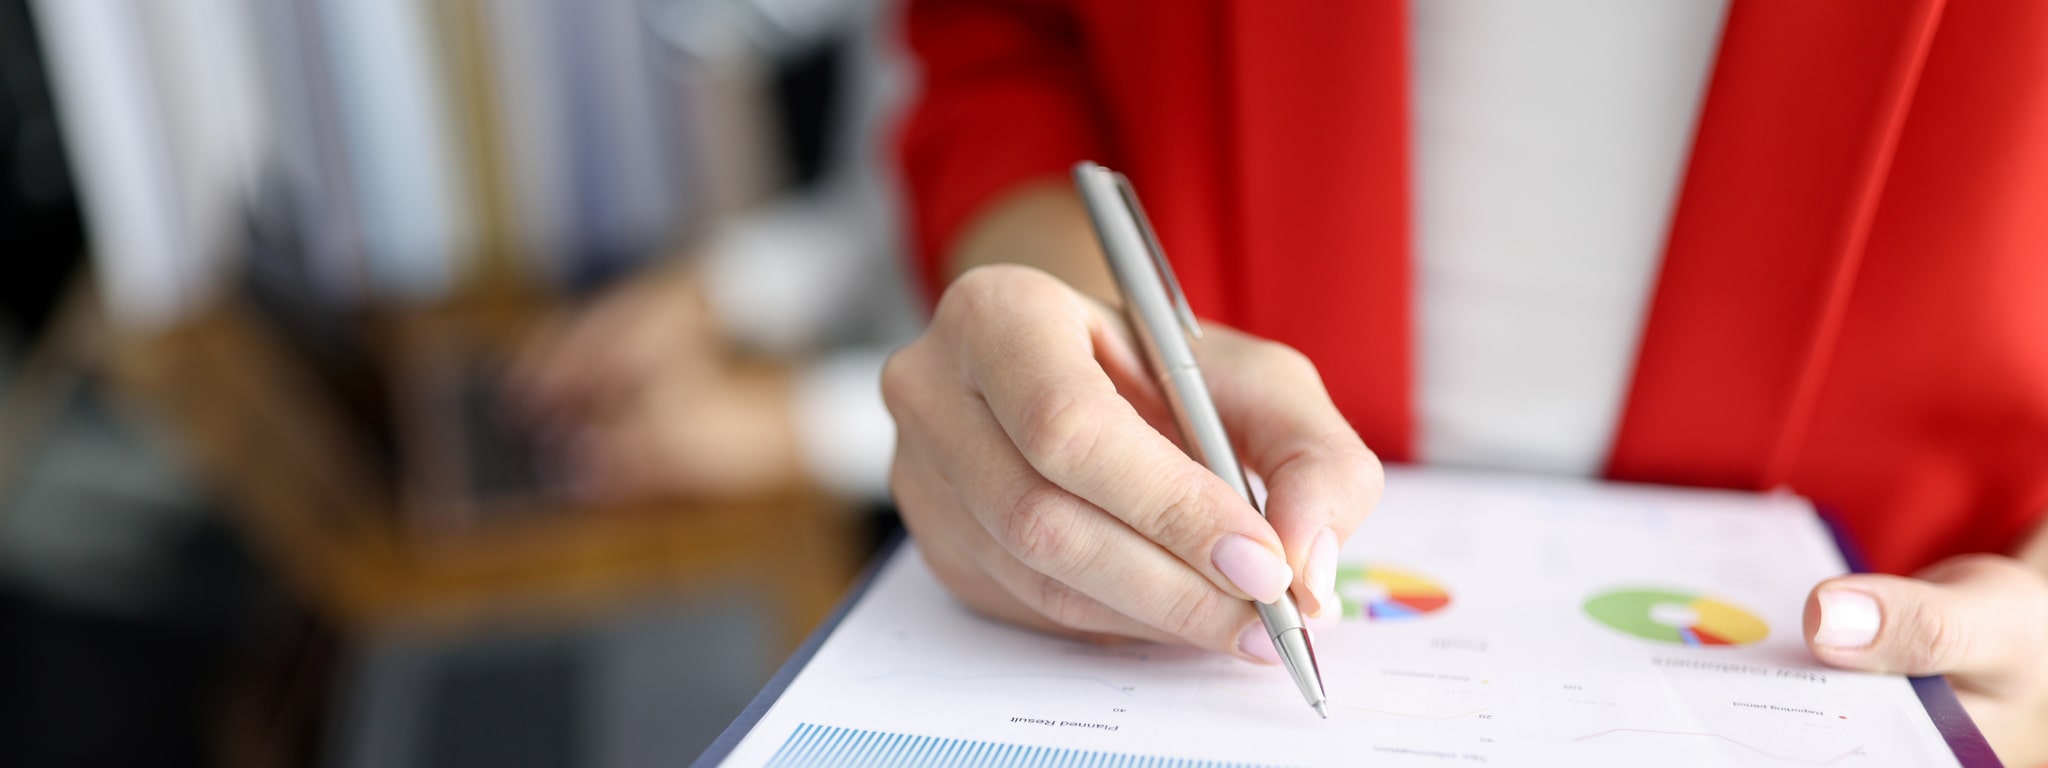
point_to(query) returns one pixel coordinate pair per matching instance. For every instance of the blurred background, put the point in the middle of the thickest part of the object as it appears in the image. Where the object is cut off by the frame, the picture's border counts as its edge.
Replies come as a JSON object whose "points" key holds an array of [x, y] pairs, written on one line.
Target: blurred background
{"points": [[433, 382]]}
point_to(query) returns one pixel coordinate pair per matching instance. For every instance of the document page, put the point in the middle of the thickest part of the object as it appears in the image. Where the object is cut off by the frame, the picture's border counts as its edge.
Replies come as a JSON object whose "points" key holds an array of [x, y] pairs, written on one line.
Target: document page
{"points": [[1486, 620]]}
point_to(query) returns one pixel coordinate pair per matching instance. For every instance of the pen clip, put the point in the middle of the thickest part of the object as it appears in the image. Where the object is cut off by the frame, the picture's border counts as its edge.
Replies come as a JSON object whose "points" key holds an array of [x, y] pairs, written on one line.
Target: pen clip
{"points": [[1180, 300]]}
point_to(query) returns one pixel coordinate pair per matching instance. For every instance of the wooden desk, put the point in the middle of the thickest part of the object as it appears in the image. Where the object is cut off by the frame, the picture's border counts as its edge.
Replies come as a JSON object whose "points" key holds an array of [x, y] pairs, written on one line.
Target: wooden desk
{"points": [[297, 473]]}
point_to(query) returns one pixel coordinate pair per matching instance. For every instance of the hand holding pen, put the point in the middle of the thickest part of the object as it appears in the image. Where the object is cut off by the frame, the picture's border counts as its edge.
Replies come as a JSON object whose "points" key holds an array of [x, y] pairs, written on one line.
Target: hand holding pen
{"points": [[1035, 470]]}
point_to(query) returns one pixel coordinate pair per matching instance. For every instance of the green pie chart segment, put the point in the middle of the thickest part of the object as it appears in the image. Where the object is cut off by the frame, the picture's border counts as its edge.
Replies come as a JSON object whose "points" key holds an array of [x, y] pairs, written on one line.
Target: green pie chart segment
{"points": [[1679, 618]]}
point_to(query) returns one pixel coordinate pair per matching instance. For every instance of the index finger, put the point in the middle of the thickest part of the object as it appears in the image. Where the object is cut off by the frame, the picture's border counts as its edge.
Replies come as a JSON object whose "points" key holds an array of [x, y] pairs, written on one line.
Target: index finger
{"points": [[1036, 356]]}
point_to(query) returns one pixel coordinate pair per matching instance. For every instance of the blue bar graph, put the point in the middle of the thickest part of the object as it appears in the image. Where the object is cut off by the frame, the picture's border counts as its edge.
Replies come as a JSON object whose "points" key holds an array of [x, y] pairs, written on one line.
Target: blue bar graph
{"points": [[833, 747]]}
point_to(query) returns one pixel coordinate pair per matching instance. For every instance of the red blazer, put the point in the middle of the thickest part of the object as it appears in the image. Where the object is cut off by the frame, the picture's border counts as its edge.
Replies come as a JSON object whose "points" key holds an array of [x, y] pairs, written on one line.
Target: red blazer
{"points": [[1854, 296]]}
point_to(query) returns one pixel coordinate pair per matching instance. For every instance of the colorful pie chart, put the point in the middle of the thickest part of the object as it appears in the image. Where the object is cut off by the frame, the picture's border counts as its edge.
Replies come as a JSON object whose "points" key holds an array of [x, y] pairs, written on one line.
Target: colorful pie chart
{"points": [[1679, 618], [1383, 594]]}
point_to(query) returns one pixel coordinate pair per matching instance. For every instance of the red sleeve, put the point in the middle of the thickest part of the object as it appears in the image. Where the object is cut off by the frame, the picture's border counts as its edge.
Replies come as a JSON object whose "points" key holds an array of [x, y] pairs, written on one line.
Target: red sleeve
{"points": [[1005, 99]]}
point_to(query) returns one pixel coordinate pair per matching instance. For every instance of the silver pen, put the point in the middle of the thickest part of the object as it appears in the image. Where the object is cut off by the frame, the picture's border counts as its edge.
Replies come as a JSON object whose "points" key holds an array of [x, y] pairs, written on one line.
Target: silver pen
{"points": [[1165, 326]]}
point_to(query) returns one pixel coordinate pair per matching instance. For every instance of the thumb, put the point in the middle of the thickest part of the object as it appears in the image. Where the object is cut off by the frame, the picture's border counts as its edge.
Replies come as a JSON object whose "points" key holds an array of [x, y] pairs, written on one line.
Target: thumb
{"points": [[1969, 615]]}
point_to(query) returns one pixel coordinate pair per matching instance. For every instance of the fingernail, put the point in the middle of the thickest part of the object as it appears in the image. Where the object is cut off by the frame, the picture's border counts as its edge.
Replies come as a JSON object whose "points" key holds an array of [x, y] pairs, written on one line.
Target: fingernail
{"points": [[1327, 619], [1328, 605], [1322, 569], [1848, 619], [1253, 568], [1254, 642]]}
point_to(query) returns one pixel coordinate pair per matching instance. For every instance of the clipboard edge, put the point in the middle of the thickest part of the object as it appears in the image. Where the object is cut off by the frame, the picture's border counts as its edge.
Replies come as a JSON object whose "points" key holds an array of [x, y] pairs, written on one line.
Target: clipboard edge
{"points": [[1950, 719], [744, 723]]}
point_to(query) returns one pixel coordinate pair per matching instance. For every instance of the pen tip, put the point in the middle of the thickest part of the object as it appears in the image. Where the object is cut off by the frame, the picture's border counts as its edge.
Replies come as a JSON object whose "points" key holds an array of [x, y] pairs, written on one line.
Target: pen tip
{"points": [[1323, 709]]}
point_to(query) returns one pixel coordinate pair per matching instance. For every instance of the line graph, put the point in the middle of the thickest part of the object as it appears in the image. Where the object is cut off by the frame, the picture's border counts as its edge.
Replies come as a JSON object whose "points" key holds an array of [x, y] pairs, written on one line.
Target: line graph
{"points": [[1412, 715], [1856, 752], [1341, 704]]}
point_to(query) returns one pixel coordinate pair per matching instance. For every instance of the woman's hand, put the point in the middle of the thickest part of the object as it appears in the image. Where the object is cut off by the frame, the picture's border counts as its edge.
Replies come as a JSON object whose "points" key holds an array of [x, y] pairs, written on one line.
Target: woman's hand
{"points": [[640, 400], [726, 432], [597, 362], [1034, 469], [1981, 620]]}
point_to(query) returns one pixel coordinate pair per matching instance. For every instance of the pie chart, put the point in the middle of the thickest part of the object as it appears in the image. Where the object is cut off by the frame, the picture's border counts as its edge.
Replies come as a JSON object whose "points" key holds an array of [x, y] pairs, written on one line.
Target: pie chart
{"points": [[1387, 594], [1679, 618]]}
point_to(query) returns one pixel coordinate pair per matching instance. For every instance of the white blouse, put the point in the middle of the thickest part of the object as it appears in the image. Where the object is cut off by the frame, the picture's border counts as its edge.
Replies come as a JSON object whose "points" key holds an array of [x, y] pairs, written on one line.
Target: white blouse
{"points": [[1550, 141]]}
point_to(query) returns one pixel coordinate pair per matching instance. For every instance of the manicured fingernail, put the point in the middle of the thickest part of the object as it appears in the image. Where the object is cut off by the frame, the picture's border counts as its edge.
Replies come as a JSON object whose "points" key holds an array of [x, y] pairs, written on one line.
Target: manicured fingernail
{"points": [[1328, 605], [1848, 619], [1253, 568], [1327, 619], [1254, 642], [1322, 569]]}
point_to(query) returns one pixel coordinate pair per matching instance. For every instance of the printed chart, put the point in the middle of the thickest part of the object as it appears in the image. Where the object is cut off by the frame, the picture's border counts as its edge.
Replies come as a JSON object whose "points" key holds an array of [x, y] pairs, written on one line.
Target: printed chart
{"points": [[1486, 621], [830, 747], [1671, 616], [1382, 594]]}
